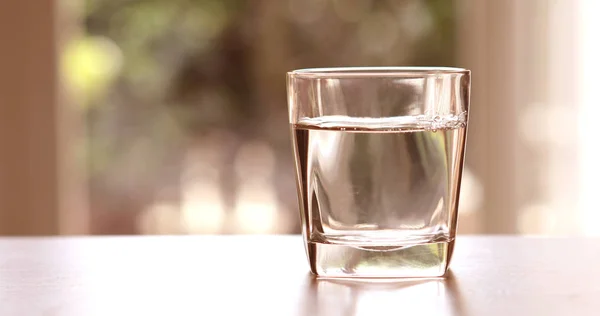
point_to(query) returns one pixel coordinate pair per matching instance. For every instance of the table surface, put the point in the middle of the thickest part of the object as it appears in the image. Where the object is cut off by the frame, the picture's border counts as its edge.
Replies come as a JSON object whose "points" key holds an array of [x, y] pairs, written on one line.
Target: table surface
{"points": [[268, 275]]}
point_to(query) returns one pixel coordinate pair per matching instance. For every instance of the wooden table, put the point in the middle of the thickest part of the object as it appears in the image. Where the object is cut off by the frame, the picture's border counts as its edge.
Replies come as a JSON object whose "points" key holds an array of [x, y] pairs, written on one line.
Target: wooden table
{"points": [[267, 275]]}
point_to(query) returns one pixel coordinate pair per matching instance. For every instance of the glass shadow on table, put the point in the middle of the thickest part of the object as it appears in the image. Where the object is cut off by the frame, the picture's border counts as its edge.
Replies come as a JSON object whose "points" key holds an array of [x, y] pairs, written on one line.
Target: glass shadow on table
{"points": [[382, 297]]}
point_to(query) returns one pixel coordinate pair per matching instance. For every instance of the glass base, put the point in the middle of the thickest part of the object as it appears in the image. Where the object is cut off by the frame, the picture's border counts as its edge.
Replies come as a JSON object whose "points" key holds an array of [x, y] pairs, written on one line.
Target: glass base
{"points": [[423, 260]]}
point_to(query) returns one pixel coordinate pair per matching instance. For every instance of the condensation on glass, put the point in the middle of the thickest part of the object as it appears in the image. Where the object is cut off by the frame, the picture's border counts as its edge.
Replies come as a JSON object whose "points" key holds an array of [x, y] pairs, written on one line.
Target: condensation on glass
{"points": [[379, 155]]}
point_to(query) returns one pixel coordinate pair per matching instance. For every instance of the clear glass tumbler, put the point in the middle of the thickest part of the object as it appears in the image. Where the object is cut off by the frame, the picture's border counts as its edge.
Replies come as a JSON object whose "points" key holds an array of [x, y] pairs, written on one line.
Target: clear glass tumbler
{"points": [[379, 155]]}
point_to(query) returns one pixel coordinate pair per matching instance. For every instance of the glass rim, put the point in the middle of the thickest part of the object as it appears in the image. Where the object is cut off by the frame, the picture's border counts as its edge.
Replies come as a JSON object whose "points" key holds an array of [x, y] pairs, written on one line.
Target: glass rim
{"points": [[345, 72]]}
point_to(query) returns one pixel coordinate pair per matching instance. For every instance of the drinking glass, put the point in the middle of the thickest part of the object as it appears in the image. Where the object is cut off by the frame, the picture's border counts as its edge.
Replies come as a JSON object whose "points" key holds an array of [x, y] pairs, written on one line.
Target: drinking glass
{"points": [[379, 155]]}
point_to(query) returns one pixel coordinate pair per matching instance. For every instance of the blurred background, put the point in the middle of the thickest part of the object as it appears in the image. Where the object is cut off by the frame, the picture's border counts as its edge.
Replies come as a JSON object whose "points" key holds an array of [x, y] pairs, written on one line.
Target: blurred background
{"points": [[170, 117]]}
